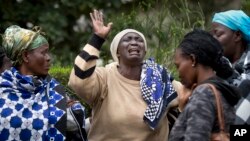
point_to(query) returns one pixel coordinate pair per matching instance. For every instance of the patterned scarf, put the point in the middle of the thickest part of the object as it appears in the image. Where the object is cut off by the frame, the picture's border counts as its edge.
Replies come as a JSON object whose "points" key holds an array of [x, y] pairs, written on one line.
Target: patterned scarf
{"points": [[28, 107], [16, 40], [157, 91]]}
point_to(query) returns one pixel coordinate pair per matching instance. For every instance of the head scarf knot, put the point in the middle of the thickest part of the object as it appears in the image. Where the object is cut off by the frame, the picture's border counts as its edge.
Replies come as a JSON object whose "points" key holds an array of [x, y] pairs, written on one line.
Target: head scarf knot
{"points": [[17, 39], [236, 20], [115, 43]]}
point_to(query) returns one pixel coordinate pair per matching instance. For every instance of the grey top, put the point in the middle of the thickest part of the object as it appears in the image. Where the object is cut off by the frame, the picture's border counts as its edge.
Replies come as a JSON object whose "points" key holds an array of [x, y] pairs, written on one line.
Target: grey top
{"points": [[199, 117]]}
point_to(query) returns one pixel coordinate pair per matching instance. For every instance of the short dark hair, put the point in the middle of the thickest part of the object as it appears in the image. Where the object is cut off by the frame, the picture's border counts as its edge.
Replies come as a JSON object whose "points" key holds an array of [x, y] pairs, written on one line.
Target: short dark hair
{"points": [[207, 51]]}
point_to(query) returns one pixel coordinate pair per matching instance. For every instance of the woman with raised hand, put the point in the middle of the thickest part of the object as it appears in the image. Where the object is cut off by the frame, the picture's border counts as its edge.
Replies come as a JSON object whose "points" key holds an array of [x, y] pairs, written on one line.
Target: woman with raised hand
{"points": [[129, 97]]}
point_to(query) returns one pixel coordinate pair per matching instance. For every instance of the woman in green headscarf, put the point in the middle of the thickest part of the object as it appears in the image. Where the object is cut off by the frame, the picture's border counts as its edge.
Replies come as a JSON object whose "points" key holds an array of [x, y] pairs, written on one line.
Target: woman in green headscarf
{"points": [[18, 41], [33, 105]]}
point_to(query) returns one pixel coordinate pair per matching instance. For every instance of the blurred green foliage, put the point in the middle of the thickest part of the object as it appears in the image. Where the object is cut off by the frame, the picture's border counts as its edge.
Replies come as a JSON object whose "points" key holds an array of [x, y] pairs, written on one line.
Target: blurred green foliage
{"points": [[68, 28], [60, 73]]}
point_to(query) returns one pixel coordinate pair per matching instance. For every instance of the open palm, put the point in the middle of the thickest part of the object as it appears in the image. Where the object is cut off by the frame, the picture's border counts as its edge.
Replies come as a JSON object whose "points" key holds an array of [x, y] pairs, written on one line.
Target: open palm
{"points": [[97, 21]]}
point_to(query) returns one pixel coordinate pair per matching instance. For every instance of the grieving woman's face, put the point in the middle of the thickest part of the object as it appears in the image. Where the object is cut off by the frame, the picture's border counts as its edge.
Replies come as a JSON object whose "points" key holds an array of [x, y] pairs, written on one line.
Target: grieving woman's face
{"points": [[39, 60], [185, 69], [131, 48], [226, 37]]}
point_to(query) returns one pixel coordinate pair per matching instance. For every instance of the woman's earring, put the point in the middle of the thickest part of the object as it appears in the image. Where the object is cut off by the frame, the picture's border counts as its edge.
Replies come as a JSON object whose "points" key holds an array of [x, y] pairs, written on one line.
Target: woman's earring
{"points": [[193, 65]]}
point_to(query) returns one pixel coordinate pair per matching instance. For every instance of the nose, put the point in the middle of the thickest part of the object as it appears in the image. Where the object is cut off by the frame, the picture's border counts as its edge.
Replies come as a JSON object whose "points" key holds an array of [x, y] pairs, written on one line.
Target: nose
{"points": [[48, 57], [133, 41], [215, 36]]}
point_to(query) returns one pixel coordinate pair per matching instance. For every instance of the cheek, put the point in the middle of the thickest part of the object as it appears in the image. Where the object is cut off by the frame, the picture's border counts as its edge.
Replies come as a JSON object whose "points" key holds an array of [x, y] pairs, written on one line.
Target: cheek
{"points": [[182, 73], [221, 40], [186, 76], [38, 60], [224, 40], [142, 45]]}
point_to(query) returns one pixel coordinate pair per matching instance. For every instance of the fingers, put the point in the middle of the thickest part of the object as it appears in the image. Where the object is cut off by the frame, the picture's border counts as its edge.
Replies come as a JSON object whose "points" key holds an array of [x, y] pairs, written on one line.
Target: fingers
{"points": [[97, 15], [98, 25], [101, 17], [91, 16], [110, 25]]}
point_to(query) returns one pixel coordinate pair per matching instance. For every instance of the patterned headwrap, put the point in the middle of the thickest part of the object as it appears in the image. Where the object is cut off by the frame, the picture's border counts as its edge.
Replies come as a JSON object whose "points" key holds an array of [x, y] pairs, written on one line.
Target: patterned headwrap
{"points": [[17, 39], [235, 20], [115, 43]]}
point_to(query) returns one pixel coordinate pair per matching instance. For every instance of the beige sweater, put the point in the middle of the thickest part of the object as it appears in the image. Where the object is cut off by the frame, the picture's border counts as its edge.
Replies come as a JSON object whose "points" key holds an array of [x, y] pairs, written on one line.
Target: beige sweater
{"points": [[117, 104]]}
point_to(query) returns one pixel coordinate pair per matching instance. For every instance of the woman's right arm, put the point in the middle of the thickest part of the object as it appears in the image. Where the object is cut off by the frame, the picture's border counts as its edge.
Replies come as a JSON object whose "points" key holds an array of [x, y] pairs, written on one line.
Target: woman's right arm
{"points": [[85, 79]]}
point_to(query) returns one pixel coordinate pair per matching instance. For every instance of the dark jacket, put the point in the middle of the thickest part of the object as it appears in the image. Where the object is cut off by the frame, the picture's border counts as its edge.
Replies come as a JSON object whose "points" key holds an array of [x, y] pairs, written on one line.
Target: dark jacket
{"points": [[199, 118]]}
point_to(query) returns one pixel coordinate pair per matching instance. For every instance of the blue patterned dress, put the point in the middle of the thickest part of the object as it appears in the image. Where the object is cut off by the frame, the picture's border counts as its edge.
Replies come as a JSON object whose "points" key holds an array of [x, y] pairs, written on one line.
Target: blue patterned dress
{"points": [[31, 108]]}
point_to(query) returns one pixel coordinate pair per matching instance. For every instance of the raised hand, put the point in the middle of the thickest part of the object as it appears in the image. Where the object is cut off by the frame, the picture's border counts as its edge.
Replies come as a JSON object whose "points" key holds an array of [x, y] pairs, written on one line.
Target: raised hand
{"points": [[98, 26]]}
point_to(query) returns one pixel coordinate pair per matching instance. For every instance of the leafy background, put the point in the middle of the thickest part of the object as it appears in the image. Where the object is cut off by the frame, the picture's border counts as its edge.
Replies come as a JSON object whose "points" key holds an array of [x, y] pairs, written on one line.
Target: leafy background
{"points": [[68, 28]]}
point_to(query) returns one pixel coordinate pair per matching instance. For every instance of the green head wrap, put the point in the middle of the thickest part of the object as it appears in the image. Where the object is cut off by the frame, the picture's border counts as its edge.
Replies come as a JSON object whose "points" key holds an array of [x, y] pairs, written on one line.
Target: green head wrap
{"points": [[16, 40]]}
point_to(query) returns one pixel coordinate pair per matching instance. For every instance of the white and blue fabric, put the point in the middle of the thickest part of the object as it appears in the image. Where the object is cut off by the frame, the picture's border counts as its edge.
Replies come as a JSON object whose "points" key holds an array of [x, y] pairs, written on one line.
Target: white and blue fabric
{"points": [[157, 91], [242, 111], [29, 108]]}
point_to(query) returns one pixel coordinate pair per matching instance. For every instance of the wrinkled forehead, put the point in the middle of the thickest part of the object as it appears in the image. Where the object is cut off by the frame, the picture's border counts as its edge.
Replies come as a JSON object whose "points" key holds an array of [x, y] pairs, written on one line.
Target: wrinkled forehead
{"points": [[219, 29], [130, 35], [134, 34], [216, 25]]}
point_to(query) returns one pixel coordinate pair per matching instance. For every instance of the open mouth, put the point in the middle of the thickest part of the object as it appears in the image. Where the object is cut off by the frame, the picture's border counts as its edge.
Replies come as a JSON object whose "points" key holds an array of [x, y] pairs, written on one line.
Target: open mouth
{"points": [[134, 51]]}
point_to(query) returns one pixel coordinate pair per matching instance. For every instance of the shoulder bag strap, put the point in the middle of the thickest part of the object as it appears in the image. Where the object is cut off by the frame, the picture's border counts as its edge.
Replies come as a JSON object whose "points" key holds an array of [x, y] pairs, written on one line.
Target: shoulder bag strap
{"points": [[219, 107]]}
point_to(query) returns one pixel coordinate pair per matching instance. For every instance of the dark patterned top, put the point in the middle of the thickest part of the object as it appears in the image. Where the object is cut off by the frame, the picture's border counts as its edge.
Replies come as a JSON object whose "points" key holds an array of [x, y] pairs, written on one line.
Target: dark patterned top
{"points": [[199, 117]]}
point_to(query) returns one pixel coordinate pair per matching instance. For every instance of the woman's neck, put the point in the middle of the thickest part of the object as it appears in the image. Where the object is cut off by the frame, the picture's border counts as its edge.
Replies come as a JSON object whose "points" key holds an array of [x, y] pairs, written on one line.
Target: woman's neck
{"points": [[130, 72], [205, 74], [238, 53]]}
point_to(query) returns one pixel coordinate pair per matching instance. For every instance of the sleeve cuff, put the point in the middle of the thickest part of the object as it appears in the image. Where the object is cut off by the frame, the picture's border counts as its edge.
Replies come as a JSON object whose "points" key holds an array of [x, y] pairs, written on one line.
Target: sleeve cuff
{"points": [[96, 41]]}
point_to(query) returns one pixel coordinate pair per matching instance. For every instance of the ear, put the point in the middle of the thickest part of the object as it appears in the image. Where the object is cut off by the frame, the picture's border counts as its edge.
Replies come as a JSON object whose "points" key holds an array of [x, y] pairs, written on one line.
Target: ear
{"points": [[193, 60], [118, 54], [238, 36], [25, 56]]}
